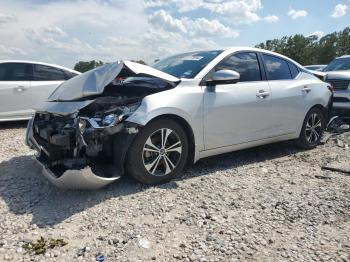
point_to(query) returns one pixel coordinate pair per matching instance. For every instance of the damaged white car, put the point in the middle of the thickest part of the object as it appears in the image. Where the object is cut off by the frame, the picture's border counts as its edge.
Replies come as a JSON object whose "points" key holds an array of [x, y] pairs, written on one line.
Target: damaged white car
{"points": [[149, 122]]}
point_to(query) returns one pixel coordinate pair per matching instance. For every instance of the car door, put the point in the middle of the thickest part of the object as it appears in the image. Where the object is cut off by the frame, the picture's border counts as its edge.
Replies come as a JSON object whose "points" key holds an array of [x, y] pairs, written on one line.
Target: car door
{"points": [[240, 112], [45, 80], [287, 94], [14, 87]]}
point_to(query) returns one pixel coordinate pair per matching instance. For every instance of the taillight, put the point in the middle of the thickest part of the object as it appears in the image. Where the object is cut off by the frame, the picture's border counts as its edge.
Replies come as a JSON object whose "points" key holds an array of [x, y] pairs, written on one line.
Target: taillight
{"points": [[331, 88]]}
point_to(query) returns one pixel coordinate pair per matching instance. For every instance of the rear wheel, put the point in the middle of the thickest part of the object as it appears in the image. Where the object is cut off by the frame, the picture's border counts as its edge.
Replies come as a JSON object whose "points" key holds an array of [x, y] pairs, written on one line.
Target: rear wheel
{"points": [[158, 153], [313, 128]]}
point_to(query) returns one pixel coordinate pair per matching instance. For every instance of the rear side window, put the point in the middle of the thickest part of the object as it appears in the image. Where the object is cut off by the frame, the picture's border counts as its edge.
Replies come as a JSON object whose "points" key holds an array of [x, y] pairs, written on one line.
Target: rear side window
{"points": [[47, 73], [15, 72], [276, 68], [293, 70], [246, 64]]}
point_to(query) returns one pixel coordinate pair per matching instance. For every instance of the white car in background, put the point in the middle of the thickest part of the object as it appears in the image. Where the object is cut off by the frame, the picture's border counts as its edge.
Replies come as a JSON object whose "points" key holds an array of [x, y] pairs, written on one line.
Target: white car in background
{"points": [[23, 84]]}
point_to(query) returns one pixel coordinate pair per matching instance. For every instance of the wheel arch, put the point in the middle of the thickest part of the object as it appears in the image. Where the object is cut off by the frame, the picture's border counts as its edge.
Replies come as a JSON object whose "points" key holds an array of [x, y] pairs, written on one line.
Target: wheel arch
{"points": [[188, 130], [324, 110]]}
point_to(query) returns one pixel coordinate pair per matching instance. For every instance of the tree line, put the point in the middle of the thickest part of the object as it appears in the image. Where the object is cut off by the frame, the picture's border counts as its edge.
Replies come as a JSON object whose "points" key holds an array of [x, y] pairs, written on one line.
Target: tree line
{"points": [[308, 50]]}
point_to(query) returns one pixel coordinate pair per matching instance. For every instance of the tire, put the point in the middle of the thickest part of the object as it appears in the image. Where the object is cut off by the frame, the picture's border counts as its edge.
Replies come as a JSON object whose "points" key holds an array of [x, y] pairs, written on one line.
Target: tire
{"points": [[313, 129], [151, 163]]}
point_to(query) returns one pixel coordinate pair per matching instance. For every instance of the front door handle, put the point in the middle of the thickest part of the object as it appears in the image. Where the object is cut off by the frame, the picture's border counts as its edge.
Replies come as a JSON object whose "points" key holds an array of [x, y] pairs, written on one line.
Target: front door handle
{"points": [[262, 94]]}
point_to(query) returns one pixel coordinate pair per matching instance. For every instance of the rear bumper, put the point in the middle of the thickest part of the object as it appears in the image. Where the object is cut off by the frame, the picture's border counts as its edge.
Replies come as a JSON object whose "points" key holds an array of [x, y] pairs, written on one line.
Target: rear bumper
{"points": [[342, 99]]}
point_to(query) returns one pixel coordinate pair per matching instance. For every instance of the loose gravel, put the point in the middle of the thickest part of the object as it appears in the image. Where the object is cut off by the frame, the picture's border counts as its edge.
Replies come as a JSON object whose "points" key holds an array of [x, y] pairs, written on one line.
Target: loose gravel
{"points": [[272, 203]]}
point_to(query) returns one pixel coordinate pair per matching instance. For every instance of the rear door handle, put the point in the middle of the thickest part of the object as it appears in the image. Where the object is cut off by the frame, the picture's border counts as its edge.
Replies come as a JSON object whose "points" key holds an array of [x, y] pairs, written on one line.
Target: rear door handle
{"points": [[20, 88], [262, 94], [306, 89]]}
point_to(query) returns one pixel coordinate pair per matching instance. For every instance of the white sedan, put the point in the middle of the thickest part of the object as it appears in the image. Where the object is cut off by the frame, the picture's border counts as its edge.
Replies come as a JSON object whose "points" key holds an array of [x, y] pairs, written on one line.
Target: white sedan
{"points": [[26, 83], [184, 108]]}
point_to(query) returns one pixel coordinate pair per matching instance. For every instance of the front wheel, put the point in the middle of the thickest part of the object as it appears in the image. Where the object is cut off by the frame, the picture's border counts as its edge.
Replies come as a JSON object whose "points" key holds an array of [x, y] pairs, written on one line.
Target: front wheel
{"points": [[313, 128], [158, 153]]}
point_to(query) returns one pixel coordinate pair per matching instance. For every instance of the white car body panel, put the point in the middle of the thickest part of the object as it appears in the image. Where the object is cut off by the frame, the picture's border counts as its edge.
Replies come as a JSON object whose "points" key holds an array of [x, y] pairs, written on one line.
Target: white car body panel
{"points": [[15, 97], [18, 98], [230, 102]]}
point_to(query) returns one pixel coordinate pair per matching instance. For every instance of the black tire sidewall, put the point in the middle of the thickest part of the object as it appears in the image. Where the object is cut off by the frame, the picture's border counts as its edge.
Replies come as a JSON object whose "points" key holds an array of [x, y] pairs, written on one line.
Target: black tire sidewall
{"points": [[134, 162], [302, 141]]}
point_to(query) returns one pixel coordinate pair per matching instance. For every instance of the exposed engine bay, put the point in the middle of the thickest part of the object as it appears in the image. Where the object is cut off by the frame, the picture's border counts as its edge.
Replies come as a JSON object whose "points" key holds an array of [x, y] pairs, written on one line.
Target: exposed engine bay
{"points": [[94, 132]]}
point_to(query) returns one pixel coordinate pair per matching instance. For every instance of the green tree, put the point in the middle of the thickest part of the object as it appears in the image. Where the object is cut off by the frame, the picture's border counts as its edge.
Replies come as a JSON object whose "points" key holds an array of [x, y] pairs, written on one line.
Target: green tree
{"points": [[83, 66], [311, 50]]}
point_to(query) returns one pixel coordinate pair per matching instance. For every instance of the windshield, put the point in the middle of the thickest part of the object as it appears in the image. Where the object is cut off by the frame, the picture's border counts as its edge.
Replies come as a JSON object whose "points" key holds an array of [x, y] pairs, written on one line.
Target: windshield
{"points": [[186, 65], [338, 64]]}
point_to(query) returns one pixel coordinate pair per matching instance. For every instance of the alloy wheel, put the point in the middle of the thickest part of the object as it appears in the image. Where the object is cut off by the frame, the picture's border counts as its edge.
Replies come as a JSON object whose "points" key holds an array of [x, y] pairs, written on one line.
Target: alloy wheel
{"points": [[162, 152], [313, 129]]}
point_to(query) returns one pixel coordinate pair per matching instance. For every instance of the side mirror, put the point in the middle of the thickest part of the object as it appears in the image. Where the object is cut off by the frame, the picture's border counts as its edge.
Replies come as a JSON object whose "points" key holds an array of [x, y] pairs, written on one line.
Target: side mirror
{"points": [[224, 77]]}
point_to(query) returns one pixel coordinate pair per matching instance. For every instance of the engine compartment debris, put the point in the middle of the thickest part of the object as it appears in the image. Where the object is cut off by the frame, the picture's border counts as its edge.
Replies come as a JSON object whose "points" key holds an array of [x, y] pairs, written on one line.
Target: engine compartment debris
{"points": [[336, 127]]}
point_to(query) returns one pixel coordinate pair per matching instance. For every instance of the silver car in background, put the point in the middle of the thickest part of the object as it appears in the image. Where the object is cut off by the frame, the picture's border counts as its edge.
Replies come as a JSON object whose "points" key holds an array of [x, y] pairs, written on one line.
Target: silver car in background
{"points": [[315, 67], [149, 122], [26, 83], [338, 75]]}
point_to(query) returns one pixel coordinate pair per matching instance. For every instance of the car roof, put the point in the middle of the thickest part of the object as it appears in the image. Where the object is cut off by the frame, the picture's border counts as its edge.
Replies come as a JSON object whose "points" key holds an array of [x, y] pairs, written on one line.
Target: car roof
{"points": [[39, 63], [230, 50], [344, 56], [253, 49]]}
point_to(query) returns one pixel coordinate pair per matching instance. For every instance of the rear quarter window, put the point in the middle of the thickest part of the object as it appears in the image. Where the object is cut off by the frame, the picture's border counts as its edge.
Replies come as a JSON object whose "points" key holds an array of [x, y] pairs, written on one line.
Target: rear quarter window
{"points": [[294, 70]]}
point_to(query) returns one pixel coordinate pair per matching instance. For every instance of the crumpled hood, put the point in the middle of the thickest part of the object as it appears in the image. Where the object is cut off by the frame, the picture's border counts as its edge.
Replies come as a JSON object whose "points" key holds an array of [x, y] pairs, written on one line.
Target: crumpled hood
{"points": [[338, 74], [94, 81]]}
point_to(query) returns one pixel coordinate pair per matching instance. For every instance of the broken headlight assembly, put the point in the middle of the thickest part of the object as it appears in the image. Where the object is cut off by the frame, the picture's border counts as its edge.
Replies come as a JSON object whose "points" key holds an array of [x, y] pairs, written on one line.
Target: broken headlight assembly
{"points": [[106, 119]]}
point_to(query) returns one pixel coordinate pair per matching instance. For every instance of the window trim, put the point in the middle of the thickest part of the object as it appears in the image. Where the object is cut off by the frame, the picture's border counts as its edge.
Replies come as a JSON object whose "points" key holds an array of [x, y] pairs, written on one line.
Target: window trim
{"points": [[260, 63], [299, 71]]}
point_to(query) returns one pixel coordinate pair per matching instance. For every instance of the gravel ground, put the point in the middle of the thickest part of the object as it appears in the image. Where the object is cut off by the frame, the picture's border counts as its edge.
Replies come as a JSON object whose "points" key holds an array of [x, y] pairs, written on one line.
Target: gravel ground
{"points": [[272, 203]]}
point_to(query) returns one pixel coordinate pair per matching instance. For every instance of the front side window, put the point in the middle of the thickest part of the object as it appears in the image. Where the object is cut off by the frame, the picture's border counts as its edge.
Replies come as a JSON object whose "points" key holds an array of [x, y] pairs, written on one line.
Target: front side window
{"points": [[47, 73], [276, 68], [15, 72], [246, 64]]}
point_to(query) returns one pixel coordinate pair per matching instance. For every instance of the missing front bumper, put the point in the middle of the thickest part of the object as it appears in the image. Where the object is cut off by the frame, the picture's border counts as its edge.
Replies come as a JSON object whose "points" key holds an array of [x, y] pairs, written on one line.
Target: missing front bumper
{"points": [[83, 179]]}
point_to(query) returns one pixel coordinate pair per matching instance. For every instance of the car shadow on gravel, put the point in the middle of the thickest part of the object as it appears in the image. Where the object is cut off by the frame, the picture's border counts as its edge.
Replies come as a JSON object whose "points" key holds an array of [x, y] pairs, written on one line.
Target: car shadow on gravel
{"points": [[11, 125], [26, 191]]}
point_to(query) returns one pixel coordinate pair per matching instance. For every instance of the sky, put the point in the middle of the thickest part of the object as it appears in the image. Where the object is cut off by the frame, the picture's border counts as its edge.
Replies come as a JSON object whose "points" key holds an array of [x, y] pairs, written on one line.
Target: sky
{"points": [[67, 31]]}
